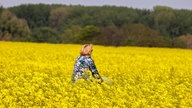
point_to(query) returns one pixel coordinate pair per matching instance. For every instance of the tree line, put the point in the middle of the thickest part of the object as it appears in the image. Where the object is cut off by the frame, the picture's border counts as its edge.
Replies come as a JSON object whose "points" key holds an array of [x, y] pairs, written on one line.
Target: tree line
{"points": [[103, 25]]}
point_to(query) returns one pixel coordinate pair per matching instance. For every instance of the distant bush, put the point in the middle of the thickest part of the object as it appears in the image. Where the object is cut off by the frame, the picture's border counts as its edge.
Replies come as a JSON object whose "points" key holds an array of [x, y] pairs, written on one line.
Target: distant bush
{"points": [[184, 41], [13, 28], [45, 34], [141, 35]]}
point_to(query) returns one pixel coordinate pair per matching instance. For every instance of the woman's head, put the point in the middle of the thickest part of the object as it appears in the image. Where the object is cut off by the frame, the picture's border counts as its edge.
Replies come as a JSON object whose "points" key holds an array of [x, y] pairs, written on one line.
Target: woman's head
{"points": [[86, 49]]}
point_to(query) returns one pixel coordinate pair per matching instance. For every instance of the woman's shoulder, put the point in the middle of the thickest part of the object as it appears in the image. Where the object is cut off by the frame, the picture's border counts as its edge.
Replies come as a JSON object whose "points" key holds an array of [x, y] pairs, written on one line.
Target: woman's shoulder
{"points": [[83, 57], [88, 57]]}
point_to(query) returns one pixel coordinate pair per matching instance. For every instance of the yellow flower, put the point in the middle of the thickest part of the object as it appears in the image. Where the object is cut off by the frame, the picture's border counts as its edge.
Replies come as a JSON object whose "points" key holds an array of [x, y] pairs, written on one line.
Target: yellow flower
{"points": [[39, 75]]}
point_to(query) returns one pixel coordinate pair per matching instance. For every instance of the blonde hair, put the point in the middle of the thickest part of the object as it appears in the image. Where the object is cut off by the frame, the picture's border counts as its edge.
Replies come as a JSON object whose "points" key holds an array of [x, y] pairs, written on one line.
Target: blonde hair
{"points": [[86, 49]]}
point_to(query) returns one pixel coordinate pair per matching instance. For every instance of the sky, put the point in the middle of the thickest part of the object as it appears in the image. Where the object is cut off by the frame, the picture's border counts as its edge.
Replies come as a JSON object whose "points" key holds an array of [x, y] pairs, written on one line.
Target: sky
{"points": [[140, 4]]}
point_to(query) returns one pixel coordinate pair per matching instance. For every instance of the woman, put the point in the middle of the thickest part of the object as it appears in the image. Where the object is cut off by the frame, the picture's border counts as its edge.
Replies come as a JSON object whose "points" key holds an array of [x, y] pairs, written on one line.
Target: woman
{"points": [[84, 63]]}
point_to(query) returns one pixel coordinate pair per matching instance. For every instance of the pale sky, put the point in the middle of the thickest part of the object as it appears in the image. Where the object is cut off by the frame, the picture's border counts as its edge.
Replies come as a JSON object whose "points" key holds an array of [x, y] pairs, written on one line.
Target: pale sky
{"points": [[141, 4]]}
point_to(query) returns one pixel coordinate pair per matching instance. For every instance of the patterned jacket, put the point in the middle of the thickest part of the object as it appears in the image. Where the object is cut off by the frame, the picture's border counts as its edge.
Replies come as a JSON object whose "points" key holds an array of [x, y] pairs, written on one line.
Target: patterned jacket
{"points": [[81, 67]]}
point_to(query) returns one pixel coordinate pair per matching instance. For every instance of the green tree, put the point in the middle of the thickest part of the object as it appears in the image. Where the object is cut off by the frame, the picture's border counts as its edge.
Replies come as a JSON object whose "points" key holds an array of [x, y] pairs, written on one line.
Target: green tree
{"points": [[37, 15], [57, 17], [184, 41], [45, 34], [87, 34], [1, 9], [110, 35], [101, 16], [163, 16], [70, 34], [181, 24], [13, 28], [140, 35]]}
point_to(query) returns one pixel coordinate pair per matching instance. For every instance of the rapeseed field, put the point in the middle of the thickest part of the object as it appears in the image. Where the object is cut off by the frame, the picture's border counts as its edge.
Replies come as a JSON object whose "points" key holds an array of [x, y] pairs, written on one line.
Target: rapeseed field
{"points": [[39, 75]]}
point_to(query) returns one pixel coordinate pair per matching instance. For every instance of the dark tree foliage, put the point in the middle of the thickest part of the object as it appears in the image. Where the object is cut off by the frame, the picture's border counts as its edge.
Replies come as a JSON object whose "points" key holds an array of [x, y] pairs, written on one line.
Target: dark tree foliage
{"points": [[140, 35], [13, 28], [36, 15], [45, 34], [107, 25], [102, 16], [1, 9], [110, 35]]}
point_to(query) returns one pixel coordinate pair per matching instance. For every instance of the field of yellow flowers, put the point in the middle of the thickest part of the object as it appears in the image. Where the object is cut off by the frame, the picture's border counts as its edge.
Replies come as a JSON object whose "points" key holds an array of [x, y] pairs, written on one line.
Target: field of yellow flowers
{"points": [[39, 75]]}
